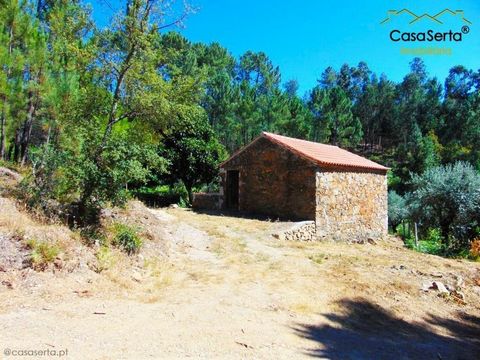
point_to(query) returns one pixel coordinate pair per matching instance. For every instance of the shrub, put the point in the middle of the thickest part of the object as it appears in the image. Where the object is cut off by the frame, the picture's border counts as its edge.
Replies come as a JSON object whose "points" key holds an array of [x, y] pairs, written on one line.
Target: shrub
{"points": [[448, 198], [431, 243], [397, 209], [42, 253], [126, 238], [475, 249], [405, 231], [87, 178], [105, 259], [93, 235]]}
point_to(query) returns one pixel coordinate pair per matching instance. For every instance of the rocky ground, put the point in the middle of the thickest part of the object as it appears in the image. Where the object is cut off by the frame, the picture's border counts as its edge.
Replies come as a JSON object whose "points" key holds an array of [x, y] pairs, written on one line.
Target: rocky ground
{"points": [[213, 286]]}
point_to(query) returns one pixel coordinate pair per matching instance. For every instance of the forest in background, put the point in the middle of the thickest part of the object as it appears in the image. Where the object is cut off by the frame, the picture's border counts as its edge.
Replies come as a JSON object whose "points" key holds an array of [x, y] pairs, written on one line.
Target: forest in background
{"points": [[96, 115]]}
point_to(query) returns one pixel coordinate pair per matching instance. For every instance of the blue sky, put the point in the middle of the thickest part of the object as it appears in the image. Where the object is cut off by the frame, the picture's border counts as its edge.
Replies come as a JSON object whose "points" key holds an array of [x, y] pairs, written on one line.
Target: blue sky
{"points": [[306, 36]]}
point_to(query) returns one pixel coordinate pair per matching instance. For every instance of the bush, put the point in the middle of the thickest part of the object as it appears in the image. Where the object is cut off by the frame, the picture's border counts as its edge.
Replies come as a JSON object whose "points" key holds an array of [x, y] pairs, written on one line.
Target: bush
{"points": [[85, 179], [126, 238], [431, 243], [105, 259], [448, 198], [42, 253], [161, 195], [475, 249], [397, 209]]}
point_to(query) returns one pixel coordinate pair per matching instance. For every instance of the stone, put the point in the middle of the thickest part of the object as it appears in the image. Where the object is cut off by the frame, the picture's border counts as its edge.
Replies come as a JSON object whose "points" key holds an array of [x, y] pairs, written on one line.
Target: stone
{"points": [[426, 286], [207, 201], [4, 172], [458, 294], [136, 276], [437, 285], [274, 181]]}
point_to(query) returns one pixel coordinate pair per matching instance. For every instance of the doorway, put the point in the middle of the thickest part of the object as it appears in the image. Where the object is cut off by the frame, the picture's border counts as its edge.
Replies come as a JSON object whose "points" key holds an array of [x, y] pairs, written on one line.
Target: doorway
{"points": [[232, 189]]}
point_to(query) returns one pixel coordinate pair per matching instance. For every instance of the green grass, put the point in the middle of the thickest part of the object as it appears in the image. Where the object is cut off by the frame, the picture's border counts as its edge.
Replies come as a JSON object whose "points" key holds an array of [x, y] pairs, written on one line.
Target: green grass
{"points": [[318, 258], [126, 238], [42, 253]]}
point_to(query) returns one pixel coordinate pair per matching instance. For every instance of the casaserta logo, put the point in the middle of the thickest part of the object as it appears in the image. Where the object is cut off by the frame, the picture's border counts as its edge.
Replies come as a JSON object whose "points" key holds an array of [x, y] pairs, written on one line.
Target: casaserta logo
{"points": [[435, 18], [428, 35]]}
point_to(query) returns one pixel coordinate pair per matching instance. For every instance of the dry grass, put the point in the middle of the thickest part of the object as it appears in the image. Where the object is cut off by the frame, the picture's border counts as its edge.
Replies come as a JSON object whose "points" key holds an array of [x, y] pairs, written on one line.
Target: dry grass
{"points": [[44, 240]]}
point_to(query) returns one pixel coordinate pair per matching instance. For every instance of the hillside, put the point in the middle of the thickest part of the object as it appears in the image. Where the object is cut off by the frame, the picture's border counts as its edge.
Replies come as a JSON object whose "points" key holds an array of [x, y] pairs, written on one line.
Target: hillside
{"points": [[223, 287]]}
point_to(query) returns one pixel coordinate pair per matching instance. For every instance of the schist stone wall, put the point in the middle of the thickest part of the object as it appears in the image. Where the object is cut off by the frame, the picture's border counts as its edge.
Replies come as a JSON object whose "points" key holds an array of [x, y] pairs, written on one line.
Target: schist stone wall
{"points": [[273, 181], [207, 201], [351, 205]]}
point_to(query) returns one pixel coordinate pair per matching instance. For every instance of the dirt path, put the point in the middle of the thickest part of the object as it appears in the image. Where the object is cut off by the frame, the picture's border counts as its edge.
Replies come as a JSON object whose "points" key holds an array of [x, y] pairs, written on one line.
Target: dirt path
{"points": [[231, 291]]}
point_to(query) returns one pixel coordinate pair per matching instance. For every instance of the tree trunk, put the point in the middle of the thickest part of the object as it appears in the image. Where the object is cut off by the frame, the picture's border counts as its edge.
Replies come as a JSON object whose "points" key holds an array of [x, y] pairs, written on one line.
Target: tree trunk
{"points": [[3, 120], [190, 194], [3, 124], [17, 144], [27, 128]]}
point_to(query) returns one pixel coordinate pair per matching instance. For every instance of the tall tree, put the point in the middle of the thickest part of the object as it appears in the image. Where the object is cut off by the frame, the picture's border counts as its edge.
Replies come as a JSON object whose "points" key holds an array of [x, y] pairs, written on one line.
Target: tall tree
{"points": [[334, 118]]}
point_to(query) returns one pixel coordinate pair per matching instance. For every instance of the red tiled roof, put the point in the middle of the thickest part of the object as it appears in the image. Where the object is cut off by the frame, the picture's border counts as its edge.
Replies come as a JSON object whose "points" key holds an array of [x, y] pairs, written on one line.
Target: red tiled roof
{"points": [[323, 154]]}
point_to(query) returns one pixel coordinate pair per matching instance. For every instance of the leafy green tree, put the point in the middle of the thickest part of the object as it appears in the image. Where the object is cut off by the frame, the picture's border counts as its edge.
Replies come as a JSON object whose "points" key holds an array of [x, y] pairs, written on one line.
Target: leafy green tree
{"points": [[448, 197], [192, 150]]}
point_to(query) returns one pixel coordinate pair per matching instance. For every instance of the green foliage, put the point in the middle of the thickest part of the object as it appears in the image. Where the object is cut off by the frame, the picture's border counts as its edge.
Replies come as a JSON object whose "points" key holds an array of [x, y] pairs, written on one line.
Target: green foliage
{"points": [[431, 243], [193, 152], [126, 238], [448, 198], [318, 258], [334, 120], [105, 259], [42, 253], [98, 179], [397, 209], [95, 112]]}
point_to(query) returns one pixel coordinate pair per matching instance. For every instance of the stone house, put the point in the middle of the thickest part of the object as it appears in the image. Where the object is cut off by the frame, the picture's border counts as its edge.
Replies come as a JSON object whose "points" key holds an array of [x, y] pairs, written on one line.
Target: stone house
{"points": [[344, 194]]}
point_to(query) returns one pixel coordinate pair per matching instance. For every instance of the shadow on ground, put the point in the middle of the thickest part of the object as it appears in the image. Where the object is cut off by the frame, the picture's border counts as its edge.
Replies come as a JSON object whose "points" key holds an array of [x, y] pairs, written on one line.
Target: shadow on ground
{"points": [[363, 330]]}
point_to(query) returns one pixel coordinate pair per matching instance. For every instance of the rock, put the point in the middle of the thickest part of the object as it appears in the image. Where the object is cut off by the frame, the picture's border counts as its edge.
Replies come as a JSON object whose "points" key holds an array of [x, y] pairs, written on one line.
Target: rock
{"points": [[303, 231], [437, 285], [458, 294], [136, 276], [10, 174], [371, 241], [426, 286], [450, 288], [58, 263], [459, 297], [459, 282], [8, 284], [173, 206]]}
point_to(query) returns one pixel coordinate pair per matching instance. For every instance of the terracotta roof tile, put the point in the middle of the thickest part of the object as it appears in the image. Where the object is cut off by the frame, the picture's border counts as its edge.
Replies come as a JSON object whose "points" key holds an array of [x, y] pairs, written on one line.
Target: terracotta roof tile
{"points": [[324, 154]]}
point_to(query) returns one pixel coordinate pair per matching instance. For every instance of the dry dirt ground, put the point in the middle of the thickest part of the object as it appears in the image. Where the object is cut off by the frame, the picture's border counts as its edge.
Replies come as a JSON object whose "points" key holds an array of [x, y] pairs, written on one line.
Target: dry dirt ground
{"points": [[221, 287]]}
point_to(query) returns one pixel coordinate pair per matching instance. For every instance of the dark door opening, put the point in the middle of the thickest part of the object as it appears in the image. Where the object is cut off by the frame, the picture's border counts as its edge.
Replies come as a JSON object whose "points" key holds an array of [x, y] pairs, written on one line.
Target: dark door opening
{"points": [[232, 189]]}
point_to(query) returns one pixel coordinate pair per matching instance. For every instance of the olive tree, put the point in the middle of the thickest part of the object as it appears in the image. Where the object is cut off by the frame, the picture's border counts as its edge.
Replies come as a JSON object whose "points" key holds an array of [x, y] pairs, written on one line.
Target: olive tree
{"points": [[448, 197]]}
